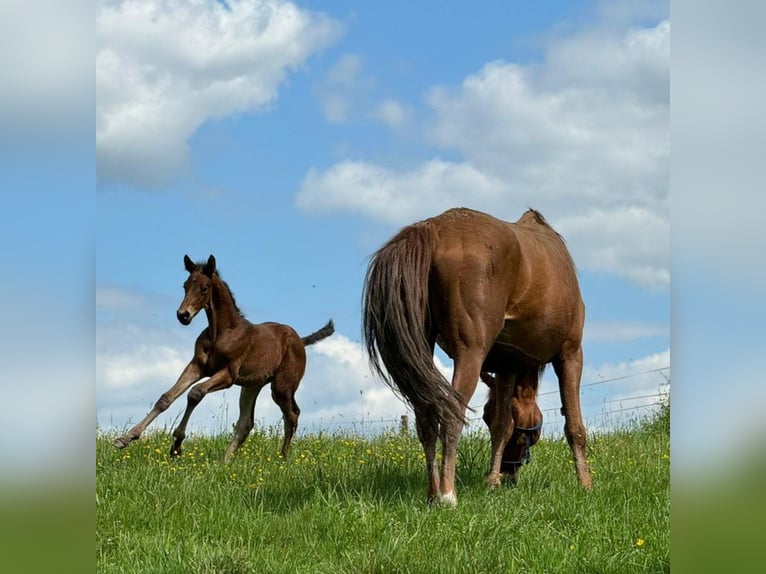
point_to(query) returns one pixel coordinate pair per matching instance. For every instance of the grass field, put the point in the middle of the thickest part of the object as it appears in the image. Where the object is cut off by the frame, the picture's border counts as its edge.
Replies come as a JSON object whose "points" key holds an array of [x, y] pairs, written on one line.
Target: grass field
{"points": [[345, 504]]}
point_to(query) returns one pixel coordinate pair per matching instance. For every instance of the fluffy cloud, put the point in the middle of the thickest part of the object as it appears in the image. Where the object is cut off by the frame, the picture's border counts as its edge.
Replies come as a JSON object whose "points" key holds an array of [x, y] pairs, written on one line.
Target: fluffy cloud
{"points": [[392, 113], [163, 68], [392, 196], [341, 91], [583, 136]]}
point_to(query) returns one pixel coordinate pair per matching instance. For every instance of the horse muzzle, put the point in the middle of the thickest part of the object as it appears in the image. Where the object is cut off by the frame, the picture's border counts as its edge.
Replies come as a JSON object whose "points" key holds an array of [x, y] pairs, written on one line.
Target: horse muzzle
{"points": [[184, 317]]}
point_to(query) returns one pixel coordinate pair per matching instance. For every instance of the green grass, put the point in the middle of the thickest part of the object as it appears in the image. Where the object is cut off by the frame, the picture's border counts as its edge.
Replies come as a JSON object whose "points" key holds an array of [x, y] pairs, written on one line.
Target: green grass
{"points": [[344, 504]]}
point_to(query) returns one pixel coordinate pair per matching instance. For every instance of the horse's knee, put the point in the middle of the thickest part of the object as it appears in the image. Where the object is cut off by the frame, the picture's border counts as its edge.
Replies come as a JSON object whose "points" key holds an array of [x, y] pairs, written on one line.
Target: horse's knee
{"points": [[163, 402], [195, 394]]}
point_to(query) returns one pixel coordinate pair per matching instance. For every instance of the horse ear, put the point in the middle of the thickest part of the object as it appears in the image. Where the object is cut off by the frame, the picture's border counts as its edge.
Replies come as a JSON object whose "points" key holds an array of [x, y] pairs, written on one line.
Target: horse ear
{"points": [[210, 266], [189, 264]]}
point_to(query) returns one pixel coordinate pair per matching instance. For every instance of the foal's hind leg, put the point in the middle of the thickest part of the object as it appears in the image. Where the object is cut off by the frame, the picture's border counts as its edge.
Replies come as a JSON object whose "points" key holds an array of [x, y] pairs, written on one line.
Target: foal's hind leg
{"points": [[245, 423], [286, 380], [568, 369], [285, 398]]}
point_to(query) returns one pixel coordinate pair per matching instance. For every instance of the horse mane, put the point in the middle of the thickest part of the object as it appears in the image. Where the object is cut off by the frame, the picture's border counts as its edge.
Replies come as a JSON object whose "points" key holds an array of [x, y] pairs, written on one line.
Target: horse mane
{"points": [[200, 265], [530, 376]]}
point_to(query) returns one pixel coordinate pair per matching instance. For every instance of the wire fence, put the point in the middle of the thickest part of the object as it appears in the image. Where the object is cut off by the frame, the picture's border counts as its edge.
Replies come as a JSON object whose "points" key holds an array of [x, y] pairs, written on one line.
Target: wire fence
{"points": [[602, 415]]}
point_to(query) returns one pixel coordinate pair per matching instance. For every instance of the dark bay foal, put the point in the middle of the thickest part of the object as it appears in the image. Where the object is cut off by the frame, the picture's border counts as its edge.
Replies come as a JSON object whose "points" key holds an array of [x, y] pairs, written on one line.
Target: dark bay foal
{"points": [[233, 351]]}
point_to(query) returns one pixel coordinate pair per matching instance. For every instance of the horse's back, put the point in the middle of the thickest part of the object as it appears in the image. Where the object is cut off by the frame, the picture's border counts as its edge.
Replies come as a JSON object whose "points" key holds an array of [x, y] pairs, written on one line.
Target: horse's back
{"points": [[269, 345]]}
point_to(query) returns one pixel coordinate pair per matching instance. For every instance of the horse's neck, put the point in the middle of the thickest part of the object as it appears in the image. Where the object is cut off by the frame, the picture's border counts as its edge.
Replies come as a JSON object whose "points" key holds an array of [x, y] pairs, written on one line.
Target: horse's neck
{"points": [[221, 314]]}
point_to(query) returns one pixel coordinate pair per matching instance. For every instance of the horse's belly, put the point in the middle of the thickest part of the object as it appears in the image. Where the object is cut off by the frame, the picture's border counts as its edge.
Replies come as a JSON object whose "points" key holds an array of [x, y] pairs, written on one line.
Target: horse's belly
{"points": [[528, 345]]}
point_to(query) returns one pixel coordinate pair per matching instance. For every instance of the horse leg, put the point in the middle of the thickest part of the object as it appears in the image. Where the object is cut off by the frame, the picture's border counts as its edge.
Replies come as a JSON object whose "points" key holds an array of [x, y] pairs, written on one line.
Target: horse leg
{"points": [[568, 369], [464, 381], [245, 423], [502, 425], [190, 375], [428, 432], [285, 399], [221, 380], [286, 380]]}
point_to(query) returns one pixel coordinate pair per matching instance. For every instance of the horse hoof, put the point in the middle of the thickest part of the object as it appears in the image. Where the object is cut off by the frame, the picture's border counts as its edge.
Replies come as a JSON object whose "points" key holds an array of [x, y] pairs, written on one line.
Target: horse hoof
{"points": [[120, 442], [493, 480], [449, 499]]}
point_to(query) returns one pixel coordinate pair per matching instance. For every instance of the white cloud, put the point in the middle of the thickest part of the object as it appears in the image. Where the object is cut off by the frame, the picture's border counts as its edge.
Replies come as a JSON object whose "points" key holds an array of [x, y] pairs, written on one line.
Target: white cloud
{"points": [[340, 92], [164, 68], [632, 241], [392, 113], [395, 196], [144, 363], [582, 136]]}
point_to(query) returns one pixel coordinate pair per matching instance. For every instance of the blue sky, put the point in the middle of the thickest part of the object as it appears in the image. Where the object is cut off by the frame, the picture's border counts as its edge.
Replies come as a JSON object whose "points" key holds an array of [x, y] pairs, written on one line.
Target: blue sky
{"points": [[292, 141]]}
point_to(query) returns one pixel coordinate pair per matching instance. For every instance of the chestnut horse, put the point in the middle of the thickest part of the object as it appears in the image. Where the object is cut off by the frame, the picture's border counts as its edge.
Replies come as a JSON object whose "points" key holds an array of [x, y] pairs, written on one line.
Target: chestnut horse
{"points": [[497, 297], [233, 351]]}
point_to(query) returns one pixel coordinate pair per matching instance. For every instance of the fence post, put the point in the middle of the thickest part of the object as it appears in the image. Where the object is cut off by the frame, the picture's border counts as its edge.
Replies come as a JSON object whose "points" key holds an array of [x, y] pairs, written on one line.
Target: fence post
{"points": [[404, 429]]}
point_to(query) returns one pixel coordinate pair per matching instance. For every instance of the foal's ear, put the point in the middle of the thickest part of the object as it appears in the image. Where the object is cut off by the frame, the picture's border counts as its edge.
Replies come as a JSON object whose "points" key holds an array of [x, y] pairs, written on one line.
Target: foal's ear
{"points": [[189, 264], [209, 266]]}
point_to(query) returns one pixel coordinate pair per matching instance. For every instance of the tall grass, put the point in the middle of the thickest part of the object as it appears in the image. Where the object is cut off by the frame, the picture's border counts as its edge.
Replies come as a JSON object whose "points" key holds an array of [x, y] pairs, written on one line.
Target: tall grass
{"points": [[342, 503]]}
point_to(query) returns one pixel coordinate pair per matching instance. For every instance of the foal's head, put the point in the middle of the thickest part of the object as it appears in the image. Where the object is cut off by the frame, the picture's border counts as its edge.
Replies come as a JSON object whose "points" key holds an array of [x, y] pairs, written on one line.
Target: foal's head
{"points": [[527, 421], [198, 289]]}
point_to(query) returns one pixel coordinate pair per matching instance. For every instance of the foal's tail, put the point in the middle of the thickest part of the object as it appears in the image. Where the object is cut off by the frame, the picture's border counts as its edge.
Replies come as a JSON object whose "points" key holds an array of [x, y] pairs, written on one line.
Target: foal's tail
{"points": [[395, 324], [317, 336]]}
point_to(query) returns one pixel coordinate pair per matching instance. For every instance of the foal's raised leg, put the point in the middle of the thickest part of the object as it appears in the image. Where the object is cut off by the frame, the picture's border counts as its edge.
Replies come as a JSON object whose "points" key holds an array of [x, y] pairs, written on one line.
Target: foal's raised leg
{"points": [[568, 367], [502, 425], [190, 375], [245, 423], [221, 380]]}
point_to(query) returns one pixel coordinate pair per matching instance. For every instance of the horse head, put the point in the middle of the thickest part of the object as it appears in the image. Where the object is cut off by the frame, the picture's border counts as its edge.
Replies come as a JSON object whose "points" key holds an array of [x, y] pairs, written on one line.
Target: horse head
{"points": [[198, 289], [527, 421]]}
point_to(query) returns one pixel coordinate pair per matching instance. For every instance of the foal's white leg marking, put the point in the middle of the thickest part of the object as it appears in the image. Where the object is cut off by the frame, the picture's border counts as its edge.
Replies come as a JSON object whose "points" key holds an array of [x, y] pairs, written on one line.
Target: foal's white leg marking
{"points": [[449, 498]]}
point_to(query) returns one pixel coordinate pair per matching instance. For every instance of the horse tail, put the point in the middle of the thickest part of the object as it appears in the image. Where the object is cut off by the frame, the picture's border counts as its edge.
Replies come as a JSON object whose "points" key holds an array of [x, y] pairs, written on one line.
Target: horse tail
{"points": [[395, 324], [317, 336]]}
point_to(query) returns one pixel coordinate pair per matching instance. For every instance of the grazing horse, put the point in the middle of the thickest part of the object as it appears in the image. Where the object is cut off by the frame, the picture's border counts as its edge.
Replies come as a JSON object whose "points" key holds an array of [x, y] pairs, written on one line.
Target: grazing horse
{"points": [[526, 418], [498, 297], [233, 351]]}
